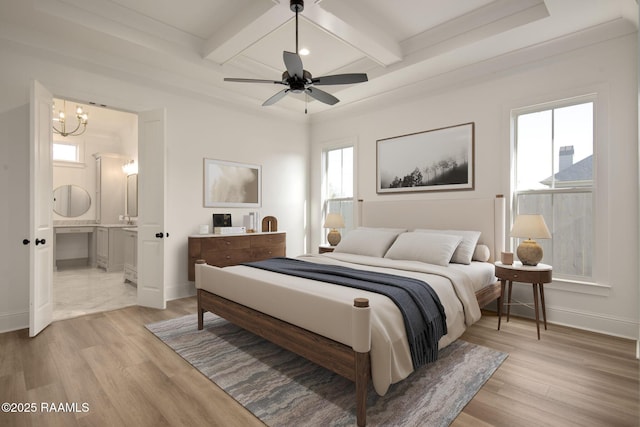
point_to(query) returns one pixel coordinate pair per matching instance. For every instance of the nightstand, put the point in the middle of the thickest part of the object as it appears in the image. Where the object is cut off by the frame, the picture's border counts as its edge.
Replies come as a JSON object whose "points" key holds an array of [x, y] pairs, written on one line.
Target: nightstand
{"points": [[325, 248], [536, 275]]}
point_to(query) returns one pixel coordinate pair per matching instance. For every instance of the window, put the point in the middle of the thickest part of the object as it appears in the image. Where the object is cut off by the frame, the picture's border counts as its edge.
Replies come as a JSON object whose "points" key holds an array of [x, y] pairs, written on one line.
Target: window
{"points": [[337, 183], [554, 177], [66, 152]]}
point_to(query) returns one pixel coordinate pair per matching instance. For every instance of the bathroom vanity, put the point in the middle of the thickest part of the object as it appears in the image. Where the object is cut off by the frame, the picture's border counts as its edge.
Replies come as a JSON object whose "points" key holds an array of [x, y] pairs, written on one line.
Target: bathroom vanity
{"points": [[130, 252]]}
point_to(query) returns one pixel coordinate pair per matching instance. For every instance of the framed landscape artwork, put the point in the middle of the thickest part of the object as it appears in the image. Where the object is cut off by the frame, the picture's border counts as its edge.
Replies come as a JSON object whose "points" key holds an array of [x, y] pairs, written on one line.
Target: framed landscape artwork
{"points": [[230, 184], [434, 160]]}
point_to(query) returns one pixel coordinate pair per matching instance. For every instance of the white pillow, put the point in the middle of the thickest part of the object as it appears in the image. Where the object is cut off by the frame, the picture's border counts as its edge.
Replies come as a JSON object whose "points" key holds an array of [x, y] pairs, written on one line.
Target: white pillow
{"points": [[367, 241], [431, 248], [482, 253], [464, 252]]}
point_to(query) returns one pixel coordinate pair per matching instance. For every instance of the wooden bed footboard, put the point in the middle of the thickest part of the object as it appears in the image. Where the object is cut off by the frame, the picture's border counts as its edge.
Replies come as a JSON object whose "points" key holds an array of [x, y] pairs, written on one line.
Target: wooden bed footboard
{"points": [[330, 354]]}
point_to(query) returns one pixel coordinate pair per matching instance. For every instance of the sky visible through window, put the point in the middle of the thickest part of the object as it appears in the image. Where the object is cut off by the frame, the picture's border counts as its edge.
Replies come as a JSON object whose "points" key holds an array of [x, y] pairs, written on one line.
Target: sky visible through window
{"points": [[340, 173], [65, 152], [541, 135]]}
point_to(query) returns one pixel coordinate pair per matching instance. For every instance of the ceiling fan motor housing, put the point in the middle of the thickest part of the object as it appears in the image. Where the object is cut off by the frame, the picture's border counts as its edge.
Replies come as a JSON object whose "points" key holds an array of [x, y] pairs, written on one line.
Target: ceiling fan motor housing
{"points": [[296, 84]]}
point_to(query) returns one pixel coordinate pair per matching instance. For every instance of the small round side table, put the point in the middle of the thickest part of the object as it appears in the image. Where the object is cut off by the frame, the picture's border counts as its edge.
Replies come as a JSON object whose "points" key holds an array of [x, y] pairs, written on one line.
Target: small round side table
{"points": [[537, 275]]}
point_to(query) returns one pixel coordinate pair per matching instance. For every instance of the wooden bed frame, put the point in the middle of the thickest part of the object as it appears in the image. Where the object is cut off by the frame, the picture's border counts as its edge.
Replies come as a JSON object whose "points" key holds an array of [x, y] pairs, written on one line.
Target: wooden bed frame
{"points": [[337, 357]]}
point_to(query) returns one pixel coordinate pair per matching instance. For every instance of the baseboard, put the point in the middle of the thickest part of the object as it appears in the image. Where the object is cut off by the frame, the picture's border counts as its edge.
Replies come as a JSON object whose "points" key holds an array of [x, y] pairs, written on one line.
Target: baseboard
{"points": [[14, 321], [72, 263], [589, 321], [181, 291]]}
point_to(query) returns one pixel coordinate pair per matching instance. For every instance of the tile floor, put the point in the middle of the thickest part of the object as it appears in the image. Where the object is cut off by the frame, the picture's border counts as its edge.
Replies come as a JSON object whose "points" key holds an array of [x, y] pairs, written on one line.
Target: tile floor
{"points": [[82, 290]]}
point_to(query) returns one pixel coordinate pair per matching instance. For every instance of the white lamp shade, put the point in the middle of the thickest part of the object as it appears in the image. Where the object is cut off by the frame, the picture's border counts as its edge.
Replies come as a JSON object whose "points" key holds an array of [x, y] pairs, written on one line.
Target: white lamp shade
{"points": [[530, 227], [334, 220]]}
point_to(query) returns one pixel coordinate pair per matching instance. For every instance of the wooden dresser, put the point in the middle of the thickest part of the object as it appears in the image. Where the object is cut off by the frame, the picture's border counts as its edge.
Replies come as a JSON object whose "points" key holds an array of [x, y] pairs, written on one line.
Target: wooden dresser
{"points": [[224, 250]]}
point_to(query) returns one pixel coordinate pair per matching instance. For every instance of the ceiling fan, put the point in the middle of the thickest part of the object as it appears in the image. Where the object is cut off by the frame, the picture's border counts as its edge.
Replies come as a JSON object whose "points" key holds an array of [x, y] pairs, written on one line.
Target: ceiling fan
{"points": [[300, 80]]}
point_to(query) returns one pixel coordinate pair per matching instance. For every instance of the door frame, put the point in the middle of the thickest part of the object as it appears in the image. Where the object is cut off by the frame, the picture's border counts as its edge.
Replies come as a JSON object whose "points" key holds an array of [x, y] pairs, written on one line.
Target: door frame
{"points": [[39, 319]]}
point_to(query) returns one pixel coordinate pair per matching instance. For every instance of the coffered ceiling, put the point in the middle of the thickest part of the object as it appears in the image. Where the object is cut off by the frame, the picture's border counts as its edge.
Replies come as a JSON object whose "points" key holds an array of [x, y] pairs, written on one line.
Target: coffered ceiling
{"points": [[191, 45]]}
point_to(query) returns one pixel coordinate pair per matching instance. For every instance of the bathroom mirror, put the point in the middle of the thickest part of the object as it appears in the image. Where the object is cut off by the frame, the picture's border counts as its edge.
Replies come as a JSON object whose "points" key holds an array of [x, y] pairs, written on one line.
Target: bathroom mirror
{"points": [[71, 201], [132, 195]]}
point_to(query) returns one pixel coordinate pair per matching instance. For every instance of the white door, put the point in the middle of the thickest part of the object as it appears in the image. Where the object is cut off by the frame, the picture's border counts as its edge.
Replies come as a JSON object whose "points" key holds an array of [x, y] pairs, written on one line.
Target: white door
{"points": [[40, 211], [151, 194]]}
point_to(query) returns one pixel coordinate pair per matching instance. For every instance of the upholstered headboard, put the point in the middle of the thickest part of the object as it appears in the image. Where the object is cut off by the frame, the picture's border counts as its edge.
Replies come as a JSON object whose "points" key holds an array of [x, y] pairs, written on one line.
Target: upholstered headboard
{"points": [[484, 215]]}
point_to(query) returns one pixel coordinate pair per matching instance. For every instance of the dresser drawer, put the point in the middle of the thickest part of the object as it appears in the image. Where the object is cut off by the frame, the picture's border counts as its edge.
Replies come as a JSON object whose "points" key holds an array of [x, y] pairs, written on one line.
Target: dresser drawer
{"points": [[230, 257], [258, 254], [268, 240], [225, 243]]}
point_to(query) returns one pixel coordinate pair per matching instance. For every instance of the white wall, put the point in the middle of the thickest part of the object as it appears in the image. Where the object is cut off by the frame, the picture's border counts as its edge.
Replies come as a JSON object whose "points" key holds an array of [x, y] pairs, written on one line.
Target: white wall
{"points": [[197, 127], [608, 68]]}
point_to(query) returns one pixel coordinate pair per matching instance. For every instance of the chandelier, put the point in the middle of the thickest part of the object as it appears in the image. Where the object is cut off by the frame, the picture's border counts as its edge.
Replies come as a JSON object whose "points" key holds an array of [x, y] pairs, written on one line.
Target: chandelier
{"points": [[83, 119]]}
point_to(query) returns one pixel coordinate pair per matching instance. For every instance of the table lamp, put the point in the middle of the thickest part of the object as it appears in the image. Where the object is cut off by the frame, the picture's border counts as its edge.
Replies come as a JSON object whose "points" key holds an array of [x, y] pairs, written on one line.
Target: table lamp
{"points": [[333, 221], [530, 227]]}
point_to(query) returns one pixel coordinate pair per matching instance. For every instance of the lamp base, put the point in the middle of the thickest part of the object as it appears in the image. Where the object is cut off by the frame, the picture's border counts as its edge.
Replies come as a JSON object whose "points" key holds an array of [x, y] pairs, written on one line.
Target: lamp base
{"points": [[333, 237], [529, 252]]}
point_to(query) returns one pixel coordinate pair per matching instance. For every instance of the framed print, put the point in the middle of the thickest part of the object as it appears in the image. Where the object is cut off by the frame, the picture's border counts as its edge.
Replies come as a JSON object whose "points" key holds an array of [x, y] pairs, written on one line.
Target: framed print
{"points": [[230, 184], [434, 160]]}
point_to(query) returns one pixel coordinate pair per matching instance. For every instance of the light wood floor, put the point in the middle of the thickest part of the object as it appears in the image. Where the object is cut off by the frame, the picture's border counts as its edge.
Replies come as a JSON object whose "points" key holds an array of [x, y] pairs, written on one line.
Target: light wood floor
{"points": [[128, 377]]}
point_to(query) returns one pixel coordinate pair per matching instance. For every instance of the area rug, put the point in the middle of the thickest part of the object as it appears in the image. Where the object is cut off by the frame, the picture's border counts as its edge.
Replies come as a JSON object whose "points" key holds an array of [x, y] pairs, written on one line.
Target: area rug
{"points": [[283, 389]]}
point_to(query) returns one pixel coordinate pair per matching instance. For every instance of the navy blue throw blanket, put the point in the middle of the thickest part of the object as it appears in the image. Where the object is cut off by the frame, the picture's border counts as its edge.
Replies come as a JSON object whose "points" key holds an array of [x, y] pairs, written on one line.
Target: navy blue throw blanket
{"points": [[423, 314]]}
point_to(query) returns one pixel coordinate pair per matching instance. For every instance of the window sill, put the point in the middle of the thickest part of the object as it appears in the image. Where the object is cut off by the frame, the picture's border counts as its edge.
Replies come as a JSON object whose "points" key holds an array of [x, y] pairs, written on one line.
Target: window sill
{"points": [[65, 164], [576, 286]]}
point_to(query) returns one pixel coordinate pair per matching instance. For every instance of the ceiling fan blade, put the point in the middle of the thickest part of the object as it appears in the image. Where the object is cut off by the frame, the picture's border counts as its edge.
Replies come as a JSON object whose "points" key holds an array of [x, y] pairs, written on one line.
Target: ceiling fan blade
{"points": [[321, 96], [275, 98], [293, 63], [231, 79], [340, 79]]}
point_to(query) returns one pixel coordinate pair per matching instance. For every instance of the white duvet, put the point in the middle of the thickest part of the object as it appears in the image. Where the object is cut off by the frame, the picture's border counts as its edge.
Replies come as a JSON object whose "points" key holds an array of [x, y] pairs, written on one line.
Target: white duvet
{"points": [[326, 309]]}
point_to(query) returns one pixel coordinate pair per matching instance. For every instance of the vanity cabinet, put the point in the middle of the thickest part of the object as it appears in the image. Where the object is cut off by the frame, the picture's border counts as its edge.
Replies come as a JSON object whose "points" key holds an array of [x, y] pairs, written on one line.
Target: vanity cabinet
{"points": [[109, 244], [110, 188], [130, 237]]}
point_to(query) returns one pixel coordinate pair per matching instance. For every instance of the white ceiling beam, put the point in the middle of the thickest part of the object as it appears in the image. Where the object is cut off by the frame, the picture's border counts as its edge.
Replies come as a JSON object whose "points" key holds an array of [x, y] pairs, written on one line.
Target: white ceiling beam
{"points": [[352, 28], [244, 30]]}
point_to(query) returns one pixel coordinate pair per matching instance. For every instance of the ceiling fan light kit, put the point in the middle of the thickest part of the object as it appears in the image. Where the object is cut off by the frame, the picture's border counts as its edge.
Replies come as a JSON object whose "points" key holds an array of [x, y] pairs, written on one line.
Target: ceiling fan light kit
{"points": [[300, 80]]}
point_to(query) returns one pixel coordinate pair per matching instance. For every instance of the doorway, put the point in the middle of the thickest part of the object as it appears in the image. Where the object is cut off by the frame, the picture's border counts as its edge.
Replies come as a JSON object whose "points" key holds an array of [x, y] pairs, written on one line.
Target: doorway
{"points": [[90, 269]]}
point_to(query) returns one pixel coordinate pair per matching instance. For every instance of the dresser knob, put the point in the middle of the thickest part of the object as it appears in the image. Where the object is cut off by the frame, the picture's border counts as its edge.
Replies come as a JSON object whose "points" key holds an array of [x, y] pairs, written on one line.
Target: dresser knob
{"points": [[515, 276]]}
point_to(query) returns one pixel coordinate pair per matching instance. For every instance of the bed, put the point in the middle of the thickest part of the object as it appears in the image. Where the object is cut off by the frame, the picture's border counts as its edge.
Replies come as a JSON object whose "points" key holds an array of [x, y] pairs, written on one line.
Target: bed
{"points": [[359, 334]]}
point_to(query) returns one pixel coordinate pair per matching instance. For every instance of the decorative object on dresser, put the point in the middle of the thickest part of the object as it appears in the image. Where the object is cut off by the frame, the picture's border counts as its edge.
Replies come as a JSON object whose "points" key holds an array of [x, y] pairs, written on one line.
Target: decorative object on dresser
{"points": [[269, 223], [434, 160], [537, 275], [226, 250], [529, 227], [231, 184], [221, 220], [229, 230], [333, 222]]}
